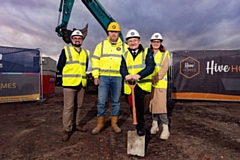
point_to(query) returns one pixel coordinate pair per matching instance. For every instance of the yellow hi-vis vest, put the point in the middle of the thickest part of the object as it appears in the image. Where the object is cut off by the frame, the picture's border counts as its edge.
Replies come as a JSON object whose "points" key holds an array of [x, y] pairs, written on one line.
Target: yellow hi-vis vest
{"points": [[74, 71], [106, 59], [134, 66], [159, 58]]}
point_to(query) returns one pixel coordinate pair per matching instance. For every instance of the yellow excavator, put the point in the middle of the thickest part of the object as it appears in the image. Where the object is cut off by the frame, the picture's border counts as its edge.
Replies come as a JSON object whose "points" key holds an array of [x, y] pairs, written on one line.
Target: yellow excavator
{"points": [[93, 6]]}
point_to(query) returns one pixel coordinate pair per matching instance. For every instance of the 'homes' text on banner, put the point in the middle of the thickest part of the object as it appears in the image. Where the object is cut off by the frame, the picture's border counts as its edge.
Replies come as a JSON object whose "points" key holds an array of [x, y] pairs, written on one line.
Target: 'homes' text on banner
{"points": [[19, 74]]}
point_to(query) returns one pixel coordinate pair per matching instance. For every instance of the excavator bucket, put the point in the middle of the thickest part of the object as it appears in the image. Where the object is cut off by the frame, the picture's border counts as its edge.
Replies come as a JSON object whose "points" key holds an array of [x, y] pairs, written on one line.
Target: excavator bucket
{"points": [[67, 33], [84, 31]]}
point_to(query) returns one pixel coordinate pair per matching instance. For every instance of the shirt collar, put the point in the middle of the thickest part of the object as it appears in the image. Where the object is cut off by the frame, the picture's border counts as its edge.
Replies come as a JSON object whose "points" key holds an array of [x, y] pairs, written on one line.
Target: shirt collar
{"points": [[135, 51]]}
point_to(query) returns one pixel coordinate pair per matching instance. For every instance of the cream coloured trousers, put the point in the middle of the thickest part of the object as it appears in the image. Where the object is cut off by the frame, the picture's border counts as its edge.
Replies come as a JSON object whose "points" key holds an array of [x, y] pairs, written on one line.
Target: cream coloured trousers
{"points": [[71, 112]]}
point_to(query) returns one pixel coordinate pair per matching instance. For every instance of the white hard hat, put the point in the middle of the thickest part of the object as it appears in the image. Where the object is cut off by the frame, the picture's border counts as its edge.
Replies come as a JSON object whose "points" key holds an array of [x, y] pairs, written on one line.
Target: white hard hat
{"points": [[76, 33], [156, 36], [132, 34]]}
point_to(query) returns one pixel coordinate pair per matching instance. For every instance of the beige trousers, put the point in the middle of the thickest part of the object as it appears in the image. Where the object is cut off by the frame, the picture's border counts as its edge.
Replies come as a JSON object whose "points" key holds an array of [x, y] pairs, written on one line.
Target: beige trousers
{"points": [[71, 112]]}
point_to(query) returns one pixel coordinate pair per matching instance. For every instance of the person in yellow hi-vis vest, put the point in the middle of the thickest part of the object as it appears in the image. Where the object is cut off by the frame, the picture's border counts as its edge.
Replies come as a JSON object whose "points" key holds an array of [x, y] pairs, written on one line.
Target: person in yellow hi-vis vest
{"points": [[158, 103], [73, 64], [137, 65], [106, 62]]}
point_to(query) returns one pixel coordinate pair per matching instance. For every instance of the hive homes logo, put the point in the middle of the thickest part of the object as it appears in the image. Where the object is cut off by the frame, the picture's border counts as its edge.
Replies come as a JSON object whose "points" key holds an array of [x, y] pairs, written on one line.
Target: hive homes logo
{"points": [[189, 67]]}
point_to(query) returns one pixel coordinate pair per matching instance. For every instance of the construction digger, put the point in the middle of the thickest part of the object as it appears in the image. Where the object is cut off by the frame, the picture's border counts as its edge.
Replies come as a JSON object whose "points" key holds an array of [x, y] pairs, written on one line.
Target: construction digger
{"points": [[93, 6]]}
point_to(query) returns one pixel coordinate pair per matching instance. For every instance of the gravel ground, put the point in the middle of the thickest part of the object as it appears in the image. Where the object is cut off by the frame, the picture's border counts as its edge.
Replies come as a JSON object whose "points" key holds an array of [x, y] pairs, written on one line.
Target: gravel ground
{"points": [[199, 131]]}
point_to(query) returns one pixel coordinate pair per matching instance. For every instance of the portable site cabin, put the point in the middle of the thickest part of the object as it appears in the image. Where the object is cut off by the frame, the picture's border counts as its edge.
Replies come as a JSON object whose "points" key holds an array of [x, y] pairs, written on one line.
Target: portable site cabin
{"points": [[205, 75], [49, 71], [19, 74], [25, 75]]}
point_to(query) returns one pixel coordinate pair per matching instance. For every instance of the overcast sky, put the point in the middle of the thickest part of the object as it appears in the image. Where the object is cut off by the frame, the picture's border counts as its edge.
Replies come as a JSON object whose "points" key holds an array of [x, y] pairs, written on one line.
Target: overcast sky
{"points": [[184, 24]]}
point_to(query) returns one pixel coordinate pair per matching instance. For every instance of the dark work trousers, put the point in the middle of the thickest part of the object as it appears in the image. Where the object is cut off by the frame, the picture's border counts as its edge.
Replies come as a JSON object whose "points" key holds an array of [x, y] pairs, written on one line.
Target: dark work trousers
{"points": [[139, 103]]}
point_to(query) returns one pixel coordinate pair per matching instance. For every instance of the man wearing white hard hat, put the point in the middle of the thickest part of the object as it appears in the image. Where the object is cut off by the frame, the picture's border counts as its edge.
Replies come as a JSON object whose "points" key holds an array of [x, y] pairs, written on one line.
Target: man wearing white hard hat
{"points": [[158, 100], [137, 65], [73, 64]]}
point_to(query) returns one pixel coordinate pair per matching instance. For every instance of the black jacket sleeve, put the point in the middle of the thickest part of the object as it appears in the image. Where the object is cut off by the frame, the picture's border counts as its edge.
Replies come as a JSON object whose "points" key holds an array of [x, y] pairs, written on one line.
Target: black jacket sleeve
{"points": [[61, 61], [87, 64], [123, 68]]}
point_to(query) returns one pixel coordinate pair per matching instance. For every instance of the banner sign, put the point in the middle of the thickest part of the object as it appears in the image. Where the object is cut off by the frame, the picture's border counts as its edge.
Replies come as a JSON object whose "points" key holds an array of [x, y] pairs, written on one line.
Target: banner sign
{"points": [[19, 74], [206, 75]]}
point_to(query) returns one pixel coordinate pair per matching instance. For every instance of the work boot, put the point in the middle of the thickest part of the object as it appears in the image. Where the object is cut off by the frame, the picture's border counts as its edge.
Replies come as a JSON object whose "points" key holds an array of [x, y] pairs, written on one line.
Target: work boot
{"points": [[114, 120], [141, 131], [100, 124], [165, 132], [154, 127], [81, 129], [66, 136]]}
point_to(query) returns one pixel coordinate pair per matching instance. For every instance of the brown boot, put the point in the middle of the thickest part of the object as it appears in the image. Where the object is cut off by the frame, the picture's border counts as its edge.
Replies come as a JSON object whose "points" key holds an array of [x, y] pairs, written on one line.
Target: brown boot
{"points": [[100, 124], [115, 127], [66, 136], [81, 129]]}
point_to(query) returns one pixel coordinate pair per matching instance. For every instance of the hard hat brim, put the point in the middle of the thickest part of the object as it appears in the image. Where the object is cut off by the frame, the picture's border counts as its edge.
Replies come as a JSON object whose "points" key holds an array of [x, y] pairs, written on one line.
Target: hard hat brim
{"points": [[132, 37]]}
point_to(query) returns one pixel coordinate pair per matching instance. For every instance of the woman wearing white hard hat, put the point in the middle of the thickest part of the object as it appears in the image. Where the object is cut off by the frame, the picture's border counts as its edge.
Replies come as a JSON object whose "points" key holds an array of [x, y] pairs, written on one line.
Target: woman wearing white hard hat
{"points": [[159, 86]]}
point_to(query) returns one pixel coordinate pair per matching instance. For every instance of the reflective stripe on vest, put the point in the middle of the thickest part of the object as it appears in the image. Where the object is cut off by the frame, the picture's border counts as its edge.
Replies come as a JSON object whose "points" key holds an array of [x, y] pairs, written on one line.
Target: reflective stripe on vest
{"points": [[102, 55], [72, 65], [144, 84], [164, 81], [161, 61]]}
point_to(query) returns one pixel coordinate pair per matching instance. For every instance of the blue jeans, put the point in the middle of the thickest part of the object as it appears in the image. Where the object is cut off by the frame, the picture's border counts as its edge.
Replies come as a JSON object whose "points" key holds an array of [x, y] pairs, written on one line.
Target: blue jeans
{"points": [[113, 84]]}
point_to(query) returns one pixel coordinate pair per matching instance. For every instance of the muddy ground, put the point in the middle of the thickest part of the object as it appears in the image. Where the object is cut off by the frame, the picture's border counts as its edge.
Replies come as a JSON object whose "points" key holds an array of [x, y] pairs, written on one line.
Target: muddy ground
{"points": [[199, 131]]}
